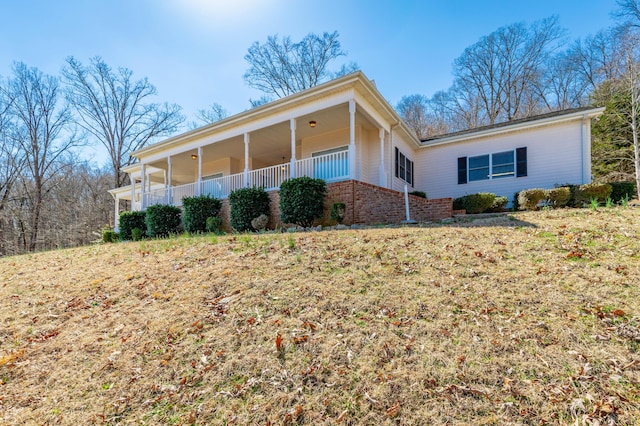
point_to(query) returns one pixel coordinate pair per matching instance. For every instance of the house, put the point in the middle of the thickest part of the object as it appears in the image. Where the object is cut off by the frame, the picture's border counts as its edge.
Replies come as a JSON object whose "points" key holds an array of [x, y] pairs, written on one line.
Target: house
{"points": [[346, 133]]}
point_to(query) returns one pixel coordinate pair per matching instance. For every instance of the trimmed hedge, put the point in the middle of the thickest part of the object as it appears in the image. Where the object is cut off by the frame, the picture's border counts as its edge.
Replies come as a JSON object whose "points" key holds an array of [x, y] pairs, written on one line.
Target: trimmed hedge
{"points": [[475, 203], [530, 198], [598, 191], [622, 190], [197, 210], [302, 200], [129, 221], [245, 204], [499, 205], [163, 220], [420, 194], [559, 197]]}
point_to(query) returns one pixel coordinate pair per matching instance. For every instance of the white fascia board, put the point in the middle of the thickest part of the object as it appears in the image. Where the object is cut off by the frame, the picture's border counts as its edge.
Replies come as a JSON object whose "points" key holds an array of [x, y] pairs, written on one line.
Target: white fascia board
{"points": [[232, 130], [575, 116], [283, 104], [370, 91]]}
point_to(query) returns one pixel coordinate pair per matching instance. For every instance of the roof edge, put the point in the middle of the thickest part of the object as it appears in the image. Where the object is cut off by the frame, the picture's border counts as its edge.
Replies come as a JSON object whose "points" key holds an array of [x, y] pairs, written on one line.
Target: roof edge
{"points": [[508, 127]]}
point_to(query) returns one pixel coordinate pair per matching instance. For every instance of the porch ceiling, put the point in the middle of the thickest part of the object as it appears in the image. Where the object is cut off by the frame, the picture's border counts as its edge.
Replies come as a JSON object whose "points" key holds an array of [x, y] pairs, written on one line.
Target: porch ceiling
{"points": [[270, 144]]}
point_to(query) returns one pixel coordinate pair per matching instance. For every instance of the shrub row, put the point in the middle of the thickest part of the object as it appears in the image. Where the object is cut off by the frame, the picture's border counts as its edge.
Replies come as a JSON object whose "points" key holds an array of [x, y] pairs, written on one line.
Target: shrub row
{"points": [[566, 195], [162, 220]]}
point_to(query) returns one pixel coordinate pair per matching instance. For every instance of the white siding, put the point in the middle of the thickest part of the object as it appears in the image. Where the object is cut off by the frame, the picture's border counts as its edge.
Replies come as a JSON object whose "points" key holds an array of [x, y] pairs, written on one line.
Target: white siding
{"points": [[323, 142], [554, 156]]}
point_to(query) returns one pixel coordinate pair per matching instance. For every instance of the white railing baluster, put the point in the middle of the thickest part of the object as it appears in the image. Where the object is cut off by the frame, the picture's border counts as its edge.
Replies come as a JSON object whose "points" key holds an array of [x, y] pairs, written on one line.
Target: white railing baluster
{"points": [[330, 167]]}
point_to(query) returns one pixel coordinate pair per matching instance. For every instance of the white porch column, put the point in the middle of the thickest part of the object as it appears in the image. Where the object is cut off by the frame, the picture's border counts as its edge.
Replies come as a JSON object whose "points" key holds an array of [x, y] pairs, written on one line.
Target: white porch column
{"points": [[292, 167], [169, 179], [116, 216], [133, 192], [143, 179], [352, 138], [246, 160], [383, 174], [199, 188]]}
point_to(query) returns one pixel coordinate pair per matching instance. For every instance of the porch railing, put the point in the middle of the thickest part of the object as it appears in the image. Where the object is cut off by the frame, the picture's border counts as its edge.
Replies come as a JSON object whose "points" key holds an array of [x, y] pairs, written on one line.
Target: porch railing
{"points": [[332, 167], [329, 167], [223, 186]]}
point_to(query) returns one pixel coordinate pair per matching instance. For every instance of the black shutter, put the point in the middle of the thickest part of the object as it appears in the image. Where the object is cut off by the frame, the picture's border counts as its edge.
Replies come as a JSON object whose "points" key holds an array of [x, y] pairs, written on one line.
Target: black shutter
{"points": [[397, 161], [521, 162], [462, 170]]}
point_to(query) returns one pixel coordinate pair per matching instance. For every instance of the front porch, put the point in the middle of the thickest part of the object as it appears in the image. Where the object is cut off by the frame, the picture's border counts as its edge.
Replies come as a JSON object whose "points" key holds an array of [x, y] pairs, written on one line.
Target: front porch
{"points": [[332, 167]]}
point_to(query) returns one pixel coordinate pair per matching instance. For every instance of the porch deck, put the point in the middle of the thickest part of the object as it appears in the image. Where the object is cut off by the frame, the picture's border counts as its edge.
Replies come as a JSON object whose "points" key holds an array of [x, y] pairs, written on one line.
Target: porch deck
{"points": [[333, 167]]}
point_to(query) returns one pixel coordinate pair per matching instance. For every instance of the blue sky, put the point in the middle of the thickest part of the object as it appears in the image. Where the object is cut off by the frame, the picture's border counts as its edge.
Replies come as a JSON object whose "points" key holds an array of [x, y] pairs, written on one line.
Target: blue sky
{"points": [[193, 50]]}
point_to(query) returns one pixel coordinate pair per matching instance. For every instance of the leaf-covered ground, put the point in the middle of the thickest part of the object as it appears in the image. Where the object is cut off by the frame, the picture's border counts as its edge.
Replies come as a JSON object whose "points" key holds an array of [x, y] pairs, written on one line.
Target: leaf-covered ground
{"points": [[529, 318]]}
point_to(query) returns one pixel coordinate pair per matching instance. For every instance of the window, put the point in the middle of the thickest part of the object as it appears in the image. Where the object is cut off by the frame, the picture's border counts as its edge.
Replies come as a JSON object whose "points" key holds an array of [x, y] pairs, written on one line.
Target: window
{"points": [[404, 167], [493, 166]]}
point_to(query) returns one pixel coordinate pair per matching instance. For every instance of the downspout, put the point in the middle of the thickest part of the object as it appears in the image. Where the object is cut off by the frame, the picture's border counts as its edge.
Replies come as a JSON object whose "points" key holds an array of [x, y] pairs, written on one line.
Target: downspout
{"points": [[586, 149]]}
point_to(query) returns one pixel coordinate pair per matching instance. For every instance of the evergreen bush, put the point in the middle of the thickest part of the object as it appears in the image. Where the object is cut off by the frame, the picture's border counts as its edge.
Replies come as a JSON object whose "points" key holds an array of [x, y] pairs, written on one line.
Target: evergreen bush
{"points": [[163, 220], [197, 210], [622, 190], [529, 199], [214, 224], [420, 194], [499, 205], [475, 203], [592, 191], [337, 212], [245, 204], [130, 220], [302, 200], [558, 197], [109, 235]]}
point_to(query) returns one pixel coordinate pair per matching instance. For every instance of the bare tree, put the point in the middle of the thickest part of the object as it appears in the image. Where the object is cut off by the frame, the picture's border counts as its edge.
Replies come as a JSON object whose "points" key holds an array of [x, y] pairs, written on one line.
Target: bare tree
{"points": [[42, 132], [116, 110], [215, 112], [282, 67], [419, 113], [629, 43], [500, 72]]}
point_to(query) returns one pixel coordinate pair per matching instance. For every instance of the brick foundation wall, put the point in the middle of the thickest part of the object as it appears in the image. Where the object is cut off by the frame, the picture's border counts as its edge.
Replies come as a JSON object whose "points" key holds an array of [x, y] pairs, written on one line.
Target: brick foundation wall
{"points": [[371, 204], [365, 204]]}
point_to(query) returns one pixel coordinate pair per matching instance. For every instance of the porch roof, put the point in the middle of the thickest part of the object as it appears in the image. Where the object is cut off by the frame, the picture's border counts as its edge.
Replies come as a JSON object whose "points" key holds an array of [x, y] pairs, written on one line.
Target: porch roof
{"points": [[299, 105]]}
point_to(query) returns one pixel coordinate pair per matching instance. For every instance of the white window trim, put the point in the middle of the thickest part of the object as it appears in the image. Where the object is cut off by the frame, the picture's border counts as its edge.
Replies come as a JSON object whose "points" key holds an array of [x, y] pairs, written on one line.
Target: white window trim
{"points": [[491, 176]]}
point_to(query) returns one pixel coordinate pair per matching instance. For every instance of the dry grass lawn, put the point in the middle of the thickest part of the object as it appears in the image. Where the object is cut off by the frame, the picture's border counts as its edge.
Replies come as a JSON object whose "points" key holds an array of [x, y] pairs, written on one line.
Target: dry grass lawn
{"points": [[530, 318]]}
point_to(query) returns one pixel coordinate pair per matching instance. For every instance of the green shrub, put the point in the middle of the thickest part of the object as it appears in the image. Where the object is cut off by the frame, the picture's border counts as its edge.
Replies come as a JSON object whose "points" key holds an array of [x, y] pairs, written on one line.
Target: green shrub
{"points": [[515, 205], [592, 191], [137, 234], [214, 224], [163, 220], [558, 197], [130, 220], [197, 210], [245, 204], [302, 200], [109, 235], [499, 205], [530, 198], [420, 194], [475, 203], [622, 190], [337, 212]]}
